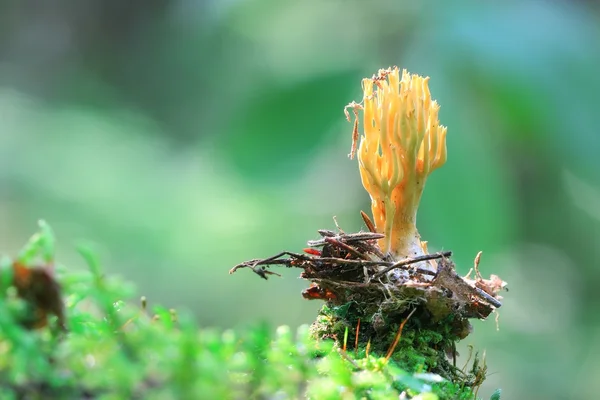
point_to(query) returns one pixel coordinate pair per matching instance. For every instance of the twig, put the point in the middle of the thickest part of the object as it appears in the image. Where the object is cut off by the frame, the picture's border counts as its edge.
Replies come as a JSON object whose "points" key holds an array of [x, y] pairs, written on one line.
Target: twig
{"points": [[346, 238], [274, 260], [356, 338], [286, 253], [408, 261], [340, 230], [488, 298], [398, 334], [326, 233], [349, 249], [349, 359]]}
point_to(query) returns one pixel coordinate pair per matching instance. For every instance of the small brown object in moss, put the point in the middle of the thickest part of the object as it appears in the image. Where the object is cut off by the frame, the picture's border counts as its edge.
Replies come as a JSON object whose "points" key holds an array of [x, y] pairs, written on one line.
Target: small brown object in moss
{"points": [[37, 286]]}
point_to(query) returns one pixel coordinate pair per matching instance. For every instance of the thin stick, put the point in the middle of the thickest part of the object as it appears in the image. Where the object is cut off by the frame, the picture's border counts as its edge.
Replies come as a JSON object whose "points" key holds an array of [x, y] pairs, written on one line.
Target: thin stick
{"points": [[326, 233], [408, 261], [488, 298], [346, 238], [252, 264], [340, 230], [368, 348], [398, 334], [284, 253], [295, 256], [130, 320], [347, 248], [356, 338], [350, 360]]}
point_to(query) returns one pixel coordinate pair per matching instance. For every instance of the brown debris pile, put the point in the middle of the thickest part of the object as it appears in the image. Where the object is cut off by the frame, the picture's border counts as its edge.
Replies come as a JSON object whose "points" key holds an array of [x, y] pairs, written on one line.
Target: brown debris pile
{"points": [[346, 268]]}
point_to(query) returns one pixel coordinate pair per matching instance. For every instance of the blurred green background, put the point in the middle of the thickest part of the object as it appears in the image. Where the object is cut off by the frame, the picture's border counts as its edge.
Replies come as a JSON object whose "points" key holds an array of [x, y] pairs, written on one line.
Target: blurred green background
{"points": [[184, 137]]}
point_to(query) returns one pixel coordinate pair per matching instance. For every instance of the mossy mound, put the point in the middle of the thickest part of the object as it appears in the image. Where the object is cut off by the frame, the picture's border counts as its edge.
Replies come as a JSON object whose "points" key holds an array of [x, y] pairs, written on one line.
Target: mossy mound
{"points": [[399, 309], [423, 344]]}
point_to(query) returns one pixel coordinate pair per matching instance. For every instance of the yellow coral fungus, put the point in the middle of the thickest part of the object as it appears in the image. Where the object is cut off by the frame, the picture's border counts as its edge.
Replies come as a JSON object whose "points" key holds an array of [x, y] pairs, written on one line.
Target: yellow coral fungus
{"points": [[402, 142]]}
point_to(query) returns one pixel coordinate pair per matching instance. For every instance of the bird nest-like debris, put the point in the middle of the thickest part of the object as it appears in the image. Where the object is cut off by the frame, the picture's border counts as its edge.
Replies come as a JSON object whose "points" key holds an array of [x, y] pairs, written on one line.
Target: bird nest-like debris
{"points": [[350, 267], [364, 288]]}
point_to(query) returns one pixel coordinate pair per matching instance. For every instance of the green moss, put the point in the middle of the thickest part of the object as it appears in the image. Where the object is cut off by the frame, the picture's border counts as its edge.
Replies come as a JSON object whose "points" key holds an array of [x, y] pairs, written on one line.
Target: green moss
{"points": [[424, 344], [116, 348]]}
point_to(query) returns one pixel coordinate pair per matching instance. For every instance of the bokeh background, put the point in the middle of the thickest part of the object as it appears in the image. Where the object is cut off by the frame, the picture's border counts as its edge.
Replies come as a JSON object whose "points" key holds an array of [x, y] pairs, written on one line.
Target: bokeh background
{"points": [[183, 137]]}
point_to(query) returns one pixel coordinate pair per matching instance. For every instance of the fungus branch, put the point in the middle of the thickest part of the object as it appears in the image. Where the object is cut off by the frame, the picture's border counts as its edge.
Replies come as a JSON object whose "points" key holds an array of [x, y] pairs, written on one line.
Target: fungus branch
{"points": [[402, 143]]}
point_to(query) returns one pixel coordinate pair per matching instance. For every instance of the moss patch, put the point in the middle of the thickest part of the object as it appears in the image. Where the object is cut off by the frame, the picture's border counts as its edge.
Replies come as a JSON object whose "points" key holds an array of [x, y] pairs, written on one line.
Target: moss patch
{"points": [[79, 335]]}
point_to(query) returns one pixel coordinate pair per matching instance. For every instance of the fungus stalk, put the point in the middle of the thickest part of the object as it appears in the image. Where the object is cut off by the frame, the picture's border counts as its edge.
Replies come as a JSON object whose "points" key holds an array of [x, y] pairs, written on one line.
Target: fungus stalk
{"points": [[402, 142]]}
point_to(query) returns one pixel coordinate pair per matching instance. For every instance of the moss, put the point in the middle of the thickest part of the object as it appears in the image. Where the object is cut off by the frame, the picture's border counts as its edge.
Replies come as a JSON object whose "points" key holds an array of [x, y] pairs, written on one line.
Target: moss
{"points": [[116, 347], [422, 346], [427, 340]]}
